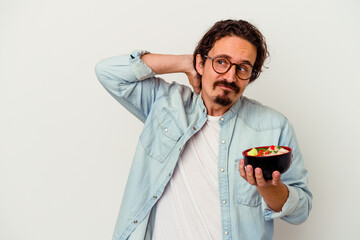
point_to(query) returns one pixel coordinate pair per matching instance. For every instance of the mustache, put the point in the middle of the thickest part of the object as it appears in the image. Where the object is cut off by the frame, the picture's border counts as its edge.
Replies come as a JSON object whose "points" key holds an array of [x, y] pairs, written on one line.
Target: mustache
{"points": [[225, 83]]}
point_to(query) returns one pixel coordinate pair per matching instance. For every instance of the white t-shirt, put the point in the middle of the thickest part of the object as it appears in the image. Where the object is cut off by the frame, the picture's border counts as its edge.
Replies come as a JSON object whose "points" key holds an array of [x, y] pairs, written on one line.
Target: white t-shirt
{"points": [[190, 205]]}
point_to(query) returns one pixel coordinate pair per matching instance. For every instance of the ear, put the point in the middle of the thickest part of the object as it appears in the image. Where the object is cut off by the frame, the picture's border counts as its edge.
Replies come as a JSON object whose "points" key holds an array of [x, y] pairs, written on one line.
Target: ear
{"points": [[199, 64]]}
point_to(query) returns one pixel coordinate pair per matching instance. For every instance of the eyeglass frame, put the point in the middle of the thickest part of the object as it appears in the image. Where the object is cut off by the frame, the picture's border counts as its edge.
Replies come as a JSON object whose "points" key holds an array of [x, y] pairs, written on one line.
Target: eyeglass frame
{"points": [[252, 75]]}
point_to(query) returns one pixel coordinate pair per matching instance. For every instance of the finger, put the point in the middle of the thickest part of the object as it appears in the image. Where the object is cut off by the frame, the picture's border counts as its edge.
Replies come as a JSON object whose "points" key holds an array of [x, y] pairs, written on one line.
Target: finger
{"points": [[197, 90], [195, 84], [260, 180], [276, 178], [250, 175], [194, 81], [242, 169]]}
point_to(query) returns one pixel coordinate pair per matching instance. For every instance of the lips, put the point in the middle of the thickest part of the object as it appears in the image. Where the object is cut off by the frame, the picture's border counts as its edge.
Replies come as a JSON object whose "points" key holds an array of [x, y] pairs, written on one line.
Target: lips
{"points": [[225, 87]]}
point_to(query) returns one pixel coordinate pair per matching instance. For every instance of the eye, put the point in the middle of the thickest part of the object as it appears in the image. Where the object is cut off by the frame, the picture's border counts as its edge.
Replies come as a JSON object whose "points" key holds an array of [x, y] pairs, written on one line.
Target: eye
{"points": [[221, 61], [242, 68]]}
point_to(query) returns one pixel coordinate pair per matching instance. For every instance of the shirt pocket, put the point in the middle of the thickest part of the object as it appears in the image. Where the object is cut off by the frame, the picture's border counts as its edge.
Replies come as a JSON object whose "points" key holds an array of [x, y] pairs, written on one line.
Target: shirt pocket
{"points": [[160, 135], [246, 194]]}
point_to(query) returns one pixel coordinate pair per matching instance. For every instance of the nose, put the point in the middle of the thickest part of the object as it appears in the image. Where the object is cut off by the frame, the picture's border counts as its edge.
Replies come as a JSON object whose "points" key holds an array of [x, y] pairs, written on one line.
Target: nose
{"points": [[231, 74]]}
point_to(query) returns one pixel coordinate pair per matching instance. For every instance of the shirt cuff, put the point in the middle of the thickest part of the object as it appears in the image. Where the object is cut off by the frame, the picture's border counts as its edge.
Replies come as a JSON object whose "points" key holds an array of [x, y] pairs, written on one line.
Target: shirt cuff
{"points": [[289, 206], [140, 69]]}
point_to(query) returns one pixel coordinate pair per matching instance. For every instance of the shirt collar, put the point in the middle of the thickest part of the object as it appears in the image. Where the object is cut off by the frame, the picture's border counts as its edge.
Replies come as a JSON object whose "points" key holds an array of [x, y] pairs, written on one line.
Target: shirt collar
{"points": [[233, 111]]}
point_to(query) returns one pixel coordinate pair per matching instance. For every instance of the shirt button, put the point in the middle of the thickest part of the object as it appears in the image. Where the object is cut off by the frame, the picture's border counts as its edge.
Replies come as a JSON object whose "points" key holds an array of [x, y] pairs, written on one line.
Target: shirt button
{"points": [[223, 141], [135, 221], [221, 119], [224, 201], [203, 110], [155, 197], [165, 130], [194, 128], [226, 233], [222, 170]]}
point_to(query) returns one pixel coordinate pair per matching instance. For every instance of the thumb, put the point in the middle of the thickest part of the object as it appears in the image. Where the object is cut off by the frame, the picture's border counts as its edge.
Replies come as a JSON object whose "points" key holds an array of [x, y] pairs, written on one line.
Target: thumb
{"points": [[195, 82]]}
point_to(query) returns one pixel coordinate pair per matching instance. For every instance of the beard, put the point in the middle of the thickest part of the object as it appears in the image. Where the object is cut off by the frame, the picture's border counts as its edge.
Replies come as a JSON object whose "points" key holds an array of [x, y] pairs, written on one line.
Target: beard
{"points": [[224, 100]]}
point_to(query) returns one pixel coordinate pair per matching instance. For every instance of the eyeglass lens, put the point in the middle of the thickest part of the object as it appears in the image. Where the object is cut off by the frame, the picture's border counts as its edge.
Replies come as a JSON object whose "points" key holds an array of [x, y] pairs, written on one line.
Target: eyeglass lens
{"points": [[222, 65]]}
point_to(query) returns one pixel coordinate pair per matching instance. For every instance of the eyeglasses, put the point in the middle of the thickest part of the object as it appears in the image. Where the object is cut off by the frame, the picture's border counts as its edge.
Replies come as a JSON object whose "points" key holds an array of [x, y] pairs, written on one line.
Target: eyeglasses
{"points": [[222, 65]]}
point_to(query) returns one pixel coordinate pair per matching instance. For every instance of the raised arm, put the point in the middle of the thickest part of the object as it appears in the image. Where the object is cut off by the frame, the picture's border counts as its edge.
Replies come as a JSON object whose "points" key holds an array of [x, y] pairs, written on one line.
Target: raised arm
{"points": [[130, 78], [163, 64]]}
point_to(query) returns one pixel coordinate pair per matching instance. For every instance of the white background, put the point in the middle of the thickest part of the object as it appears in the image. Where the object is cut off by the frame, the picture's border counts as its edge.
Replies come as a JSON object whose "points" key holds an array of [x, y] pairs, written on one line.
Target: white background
{"points": [[66, 146]]}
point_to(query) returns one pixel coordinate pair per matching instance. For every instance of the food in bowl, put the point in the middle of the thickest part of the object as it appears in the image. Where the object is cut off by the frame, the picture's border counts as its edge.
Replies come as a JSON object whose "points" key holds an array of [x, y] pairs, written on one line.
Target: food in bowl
{"points": [[269, 159], [263, 151]]}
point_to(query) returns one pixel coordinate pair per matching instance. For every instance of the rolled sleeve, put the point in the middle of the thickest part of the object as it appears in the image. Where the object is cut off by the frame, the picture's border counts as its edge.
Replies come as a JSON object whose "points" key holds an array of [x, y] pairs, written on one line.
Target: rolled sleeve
{"points": [[131, 82], [289, 206], [139, 68]]}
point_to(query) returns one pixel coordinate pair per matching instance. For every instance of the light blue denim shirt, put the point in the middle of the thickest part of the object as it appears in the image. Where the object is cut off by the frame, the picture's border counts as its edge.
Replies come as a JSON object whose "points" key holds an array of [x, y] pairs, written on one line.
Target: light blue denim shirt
{"points": [[172, 114]]}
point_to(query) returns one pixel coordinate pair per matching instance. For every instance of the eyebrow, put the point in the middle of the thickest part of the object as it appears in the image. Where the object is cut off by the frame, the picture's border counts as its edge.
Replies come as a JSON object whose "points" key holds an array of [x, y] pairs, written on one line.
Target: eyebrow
{"points": [[229, 57]]}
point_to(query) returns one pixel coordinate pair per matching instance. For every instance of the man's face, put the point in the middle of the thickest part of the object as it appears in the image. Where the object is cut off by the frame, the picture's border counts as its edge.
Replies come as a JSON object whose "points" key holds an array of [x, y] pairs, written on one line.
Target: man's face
{"points": [[221, 91]]}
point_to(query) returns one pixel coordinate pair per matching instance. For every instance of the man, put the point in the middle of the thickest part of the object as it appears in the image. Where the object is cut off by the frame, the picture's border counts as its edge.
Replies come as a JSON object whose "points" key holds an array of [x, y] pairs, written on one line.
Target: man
{"points": [[186, 179]]}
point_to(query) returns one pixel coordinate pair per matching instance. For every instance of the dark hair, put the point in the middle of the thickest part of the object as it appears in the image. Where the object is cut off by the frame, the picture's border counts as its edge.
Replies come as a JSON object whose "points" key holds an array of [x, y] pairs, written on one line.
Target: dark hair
{"points": [[240, 28]]}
